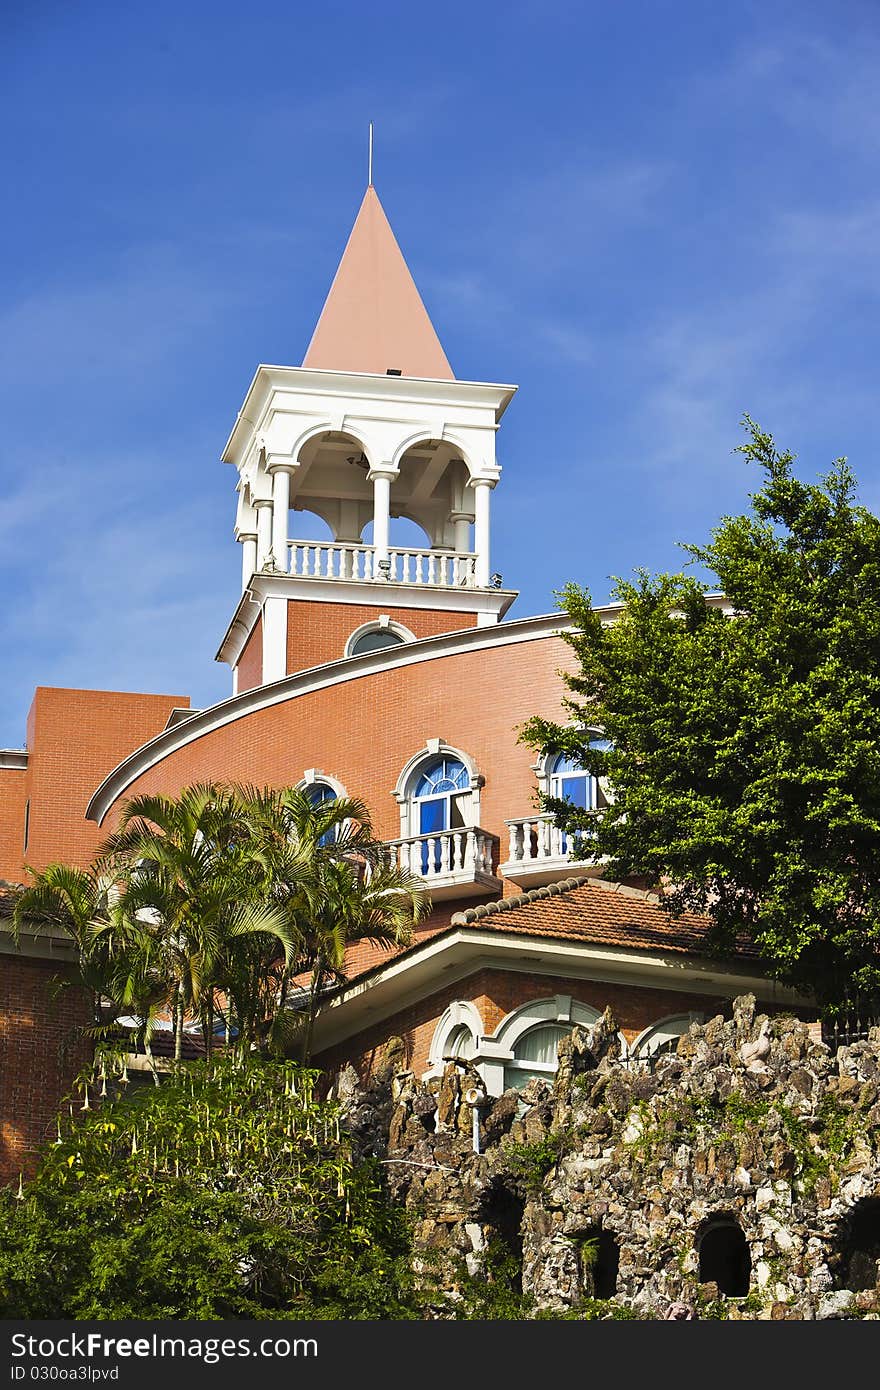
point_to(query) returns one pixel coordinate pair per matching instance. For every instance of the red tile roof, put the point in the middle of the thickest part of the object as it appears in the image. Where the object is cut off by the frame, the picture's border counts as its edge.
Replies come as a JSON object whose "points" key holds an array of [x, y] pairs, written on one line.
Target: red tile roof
{"points": [[594, 910]]}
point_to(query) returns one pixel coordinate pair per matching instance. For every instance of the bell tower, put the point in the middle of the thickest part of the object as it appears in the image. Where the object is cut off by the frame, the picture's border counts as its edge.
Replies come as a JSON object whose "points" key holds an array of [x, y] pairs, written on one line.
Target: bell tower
{"points": [[372, 427]]}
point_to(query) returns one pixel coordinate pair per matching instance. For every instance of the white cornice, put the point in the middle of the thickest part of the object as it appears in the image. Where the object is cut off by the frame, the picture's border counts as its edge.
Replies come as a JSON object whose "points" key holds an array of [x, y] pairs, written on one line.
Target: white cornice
{"points": [[444, 959], [332, 673], [490, 605], [14, 758], [354, 387], [37, 947]]}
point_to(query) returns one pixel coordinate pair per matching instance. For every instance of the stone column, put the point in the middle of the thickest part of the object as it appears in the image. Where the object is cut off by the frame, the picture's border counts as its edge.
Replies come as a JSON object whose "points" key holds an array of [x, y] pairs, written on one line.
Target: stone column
{"points": [[461, 522], [381, 480], [248, 542], [264, 529], [280, 511], [482, 488]]}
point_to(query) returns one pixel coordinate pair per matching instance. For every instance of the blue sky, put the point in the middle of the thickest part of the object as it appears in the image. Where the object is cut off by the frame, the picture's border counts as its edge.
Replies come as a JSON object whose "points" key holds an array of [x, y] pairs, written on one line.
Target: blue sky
{"points": [[652, 216]]}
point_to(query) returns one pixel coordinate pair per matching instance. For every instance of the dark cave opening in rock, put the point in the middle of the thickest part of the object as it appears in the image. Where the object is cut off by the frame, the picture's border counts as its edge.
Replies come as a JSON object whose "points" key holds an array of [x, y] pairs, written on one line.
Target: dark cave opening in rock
{"points": [[724, 1256], [858, 1266], [502, 1210], [600, 1262]]}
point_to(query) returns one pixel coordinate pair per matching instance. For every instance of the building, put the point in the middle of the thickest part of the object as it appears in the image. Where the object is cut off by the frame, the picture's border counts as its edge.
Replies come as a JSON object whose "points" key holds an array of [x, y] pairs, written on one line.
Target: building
{"points": [[367, 667]]}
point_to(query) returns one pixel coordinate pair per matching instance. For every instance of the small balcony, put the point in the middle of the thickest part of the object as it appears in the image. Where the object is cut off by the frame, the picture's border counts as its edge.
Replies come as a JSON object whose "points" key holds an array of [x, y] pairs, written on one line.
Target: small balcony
{"points": [[438, 569], [539, 853], [452, 863]]}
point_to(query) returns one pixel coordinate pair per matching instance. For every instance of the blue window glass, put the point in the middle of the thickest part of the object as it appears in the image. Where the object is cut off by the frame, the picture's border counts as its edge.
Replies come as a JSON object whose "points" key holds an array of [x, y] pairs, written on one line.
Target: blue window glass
{"points": [[319, 794], [444, 775], [437, 795], [570, 782]]}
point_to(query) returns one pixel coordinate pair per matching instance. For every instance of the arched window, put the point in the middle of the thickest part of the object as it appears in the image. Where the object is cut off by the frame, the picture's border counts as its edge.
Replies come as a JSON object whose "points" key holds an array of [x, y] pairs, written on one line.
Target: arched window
{"points": [[440, 801], [376, 635], [439, 793], [319, 793], [461, 1043], [570, 782], [319, 788], [564, 779], [374, 641], [456, 1036], [527, 1040], [662, 1037], [534, 1054]]}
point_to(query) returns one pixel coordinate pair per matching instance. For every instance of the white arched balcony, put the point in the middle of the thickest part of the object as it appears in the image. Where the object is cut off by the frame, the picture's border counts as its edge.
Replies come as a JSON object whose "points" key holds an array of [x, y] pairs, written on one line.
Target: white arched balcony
{"points": [[441, 840]]}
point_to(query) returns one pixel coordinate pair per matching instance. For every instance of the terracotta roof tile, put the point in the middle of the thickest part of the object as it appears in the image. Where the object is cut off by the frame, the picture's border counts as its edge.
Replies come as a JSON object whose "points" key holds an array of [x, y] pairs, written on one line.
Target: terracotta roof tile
{"points": [[589, 909]]}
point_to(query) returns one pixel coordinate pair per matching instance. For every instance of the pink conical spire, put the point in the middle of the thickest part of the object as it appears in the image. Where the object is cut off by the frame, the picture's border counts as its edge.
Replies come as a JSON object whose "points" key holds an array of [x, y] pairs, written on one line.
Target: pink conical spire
{"points": [[373, 319]]}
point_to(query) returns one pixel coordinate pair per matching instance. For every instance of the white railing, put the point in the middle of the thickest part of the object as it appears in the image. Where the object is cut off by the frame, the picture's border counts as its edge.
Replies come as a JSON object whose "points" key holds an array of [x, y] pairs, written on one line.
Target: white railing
{"points": [[444, 853], [335, 560], [535, 839]]}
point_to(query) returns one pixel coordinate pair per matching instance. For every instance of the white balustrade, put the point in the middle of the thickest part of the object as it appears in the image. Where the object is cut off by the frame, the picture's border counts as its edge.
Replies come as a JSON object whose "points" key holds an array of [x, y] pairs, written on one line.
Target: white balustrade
{"points": [[443, 569], [466, 852], [535, 839]]}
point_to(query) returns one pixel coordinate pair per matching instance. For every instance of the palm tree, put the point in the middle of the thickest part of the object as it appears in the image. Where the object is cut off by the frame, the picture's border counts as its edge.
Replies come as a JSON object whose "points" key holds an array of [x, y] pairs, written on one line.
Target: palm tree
{"points": [[62, 899], [192, 900], [324, 864]]}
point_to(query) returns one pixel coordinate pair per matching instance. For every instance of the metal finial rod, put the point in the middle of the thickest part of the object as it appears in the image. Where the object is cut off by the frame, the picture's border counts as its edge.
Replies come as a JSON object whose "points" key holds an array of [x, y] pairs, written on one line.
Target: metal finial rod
{"points": [[370, 169]]}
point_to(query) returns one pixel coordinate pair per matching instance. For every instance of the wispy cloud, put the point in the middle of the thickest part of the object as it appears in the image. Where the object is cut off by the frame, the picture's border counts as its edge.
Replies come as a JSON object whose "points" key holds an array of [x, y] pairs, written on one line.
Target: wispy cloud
{"points": [[118, 324], [127, 597]]}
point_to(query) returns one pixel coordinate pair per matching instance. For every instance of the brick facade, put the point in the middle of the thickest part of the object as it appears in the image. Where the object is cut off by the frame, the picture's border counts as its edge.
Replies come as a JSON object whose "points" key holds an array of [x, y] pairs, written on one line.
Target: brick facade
{"points": [[42, 1048], [496, 993], [318, 632], [250, 663], [13, 816], [74, 738], [363, 731]]}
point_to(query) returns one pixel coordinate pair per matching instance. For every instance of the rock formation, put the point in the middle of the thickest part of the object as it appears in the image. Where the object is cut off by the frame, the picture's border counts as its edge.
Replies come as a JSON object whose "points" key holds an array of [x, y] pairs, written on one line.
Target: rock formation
{"points": [[736, 1177]]}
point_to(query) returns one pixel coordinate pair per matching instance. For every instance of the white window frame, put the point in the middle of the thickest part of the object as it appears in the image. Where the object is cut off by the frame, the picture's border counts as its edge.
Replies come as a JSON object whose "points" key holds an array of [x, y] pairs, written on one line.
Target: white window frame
{"points": [[404, 790], [314, 774], [543, 769], [384, 623], [459, 1013], [497, 1052], [663, 1031]]}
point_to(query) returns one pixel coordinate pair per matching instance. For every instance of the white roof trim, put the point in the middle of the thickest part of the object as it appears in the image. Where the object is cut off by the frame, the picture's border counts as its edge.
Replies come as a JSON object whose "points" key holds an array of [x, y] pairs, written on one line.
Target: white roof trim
{"points": [[489, 605], [38, 946], [317, 678], [473, 639], [448, 957]]}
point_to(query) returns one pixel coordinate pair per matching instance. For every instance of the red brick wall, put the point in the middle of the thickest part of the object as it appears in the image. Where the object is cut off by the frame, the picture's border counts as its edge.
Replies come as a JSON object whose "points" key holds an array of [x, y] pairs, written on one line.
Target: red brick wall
{"points": [[75, 738], [318, 632], [365, 954], [250, 663], [364, 731], [496, 993], [13, 799], [41, 1051]]}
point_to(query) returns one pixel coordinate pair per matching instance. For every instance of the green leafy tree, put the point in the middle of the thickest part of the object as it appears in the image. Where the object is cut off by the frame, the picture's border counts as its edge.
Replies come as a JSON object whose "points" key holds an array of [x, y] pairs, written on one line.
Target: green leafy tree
{"points": [[349, 892], [79, 903], [745, 749], [230, 1191], [192, 907]]}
